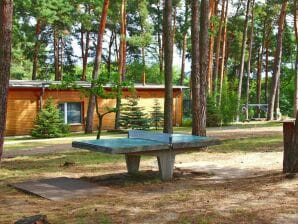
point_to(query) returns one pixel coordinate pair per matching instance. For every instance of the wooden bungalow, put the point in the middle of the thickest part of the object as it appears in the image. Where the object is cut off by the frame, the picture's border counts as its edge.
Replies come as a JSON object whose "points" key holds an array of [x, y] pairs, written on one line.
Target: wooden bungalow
{"points": [[26, 98]]}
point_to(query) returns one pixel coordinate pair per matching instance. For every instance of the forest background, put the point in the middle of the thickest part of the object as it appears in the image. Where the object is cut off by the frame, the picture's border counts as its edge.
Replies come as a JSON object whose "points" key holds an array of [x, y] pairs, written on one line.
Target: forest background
{"points": [[56, 39]]}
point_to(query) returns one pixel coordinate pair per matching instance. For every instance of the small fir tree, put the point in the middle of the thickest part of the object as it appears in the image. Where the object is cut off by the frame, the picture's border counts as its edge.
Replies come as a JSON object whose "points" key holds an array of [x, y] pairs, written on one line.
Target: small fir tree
{"points": [[132, 116], [156, 115], [49, 122]]}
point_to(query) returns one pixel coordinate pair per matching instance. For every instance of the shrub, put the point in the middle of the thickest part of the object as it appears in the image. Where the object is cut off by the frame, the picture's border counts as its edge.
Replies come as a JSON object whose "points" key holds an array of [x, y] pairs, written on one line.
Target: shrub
{"points": [[213, 114], [187, 122], [132, 117], [228, 106], [49, 122]]}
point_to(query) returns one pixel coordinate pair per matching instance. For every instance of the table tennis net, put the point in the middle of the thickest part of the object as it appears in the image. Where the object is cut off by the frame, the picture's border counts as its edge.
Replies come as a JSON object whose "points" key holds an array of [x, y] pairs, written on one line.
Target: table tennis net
{"points": [[155, 136]]}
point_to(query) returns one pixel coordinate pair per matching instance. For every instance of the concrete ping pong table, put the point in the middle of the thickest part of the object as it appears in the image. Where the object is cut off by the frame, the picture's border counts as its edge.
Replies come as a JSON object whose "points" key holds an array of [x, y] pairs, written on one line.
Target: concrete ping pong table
{"points": [[163, 146]]}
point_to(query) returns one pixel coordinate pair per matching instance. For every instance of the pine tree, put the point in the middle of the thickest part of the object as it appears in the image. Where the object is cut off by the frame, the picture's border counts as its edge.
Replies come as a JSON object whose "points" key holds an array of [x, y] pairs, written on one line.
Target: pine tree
{"points": [[132, 116], [49, 122], [156, 115]]}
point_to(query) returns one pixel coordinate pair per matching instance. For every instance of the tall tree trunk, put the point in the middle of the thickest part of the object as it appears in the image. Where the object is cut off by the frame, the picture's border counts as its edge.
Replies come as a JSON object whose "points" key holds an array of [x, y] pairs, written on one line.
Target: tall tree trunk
{"points": [[223, 54], [259, 79], [266, 69], [276, 105], [183, 58], [242, 62], [204, 45], [251, 36], [277, 60], [38, 29], [160, 53], [116, 50], [85, 34], [212, 12], [144, 66], [267, 42], [296, 62], [56, 54], [97, 62], [218, 44], [159, 41], [110, 53], [195, 67], [61, 47], [6, 11], [174, 18], [122, 48], [184, 44], [143, 81], [85, 53], [168, 66], [122, 62]]}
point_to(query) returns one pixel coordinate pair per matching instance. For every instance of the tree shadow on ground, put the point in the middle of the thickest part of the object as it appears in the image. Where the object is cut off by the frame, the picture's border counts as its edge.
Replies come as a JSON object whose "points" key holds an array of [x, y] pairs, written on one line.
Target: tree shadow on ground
{"points": [[149, 181]]}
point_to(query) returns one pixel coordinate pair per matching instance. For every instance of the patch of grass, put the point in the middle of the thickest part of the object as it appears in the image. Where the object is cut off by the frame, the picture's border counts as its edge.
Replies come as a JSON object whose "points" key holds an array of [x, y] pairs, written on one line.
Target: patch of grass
{"points": [[198, 219], [256, 144], [27, 145], [92, 216], [254, 124], [70, 135], [27, 166]]}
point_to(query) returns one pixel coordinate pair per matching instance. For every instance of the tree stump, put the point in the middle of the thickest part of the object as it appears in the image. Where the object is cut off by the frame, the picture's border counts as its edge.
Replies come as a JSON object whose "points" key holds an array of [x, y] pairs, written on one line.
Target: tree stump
{"points": [[288, 133], [36, 219], [289, 148]]}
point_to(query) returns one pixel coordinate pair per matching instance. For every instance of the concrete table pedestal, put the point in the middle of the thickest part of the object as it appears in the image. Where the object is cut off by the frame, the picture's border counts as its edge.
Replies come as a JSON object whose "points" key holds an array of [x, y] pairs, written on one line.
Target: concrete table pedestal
{"points": [[165, 159]]}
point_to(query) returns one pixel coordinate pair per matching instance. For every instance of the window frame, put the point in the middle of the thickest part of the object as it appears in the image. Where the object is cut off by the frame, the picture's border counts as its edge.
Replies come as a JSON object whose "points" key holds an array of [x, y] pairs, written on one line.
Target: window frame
{"points": [[65, 112]]}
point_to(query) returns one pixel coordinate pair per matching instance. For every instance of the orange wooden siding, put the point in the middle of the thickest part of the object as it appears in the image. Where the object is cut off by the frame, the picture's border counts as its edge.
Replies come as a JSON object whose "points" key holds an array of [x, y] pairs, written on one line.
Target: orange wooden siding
{"points": [[24, 104]]}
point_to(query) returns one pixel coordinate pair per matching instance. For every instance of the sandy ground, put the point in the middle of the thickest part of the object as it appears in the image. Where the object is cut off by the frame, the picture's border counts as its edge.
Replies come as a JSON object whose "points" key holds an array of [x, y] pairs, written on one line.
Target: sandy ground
{"points": [[207, 188]]}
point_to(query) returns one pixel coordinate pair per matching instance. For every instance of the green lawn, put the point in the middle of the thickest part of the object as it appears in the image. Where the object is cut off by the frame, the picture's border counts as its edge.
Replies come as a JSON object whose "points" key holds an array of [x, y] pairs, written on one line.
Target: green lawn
{"points": [[255, 144]]}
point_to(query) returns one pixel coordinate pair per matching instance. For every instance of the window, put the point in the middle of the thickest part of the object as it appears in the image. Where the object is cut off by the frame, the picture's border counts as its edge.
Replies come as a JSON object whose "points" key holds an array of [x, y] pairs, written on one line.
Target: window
{"points": [[72, 112]]}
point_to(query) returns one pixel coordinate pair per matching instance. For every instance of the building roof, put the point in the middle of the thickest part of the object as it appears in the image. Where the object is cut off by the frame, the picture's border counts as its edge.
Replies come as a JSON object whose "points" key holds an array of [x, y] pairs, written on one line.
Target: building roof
{"points": [[46, 84]]}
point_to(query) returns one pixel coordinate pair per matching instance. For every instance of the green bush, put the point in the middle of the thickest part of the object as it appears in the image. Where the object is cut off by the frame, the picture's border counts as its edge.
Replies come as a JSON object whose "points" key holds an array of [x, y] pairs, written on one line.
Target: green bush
{"points": [[214, 116], [187, 122], [228, 106], [49, 122]]}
